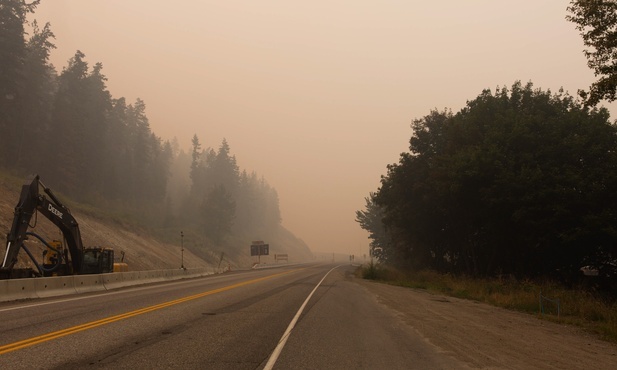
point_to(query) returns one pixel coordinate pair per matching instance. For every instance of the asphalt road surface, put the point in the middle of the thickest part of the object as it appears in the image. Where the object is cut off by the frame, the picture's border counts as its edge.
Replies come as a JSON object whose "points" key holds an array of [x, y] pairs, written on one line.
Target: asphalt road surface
{"points": [[295, 317]]}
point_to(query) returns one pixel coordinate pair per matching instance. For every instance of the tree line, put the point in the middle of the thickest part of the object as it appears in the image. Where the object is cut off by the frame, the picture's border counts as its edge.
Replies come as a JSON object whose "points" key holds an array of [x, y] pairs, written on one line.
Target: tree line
{"points": [[520, 181], [68, 128], [229, 201]]}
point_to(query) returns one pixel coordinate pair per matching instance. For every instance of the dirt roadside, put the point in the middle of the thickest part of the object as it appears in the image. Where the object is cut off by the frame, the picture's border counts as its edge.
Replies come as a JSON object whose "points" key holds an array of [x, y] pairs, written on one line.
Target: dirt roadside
{"points": [[487, 337]]}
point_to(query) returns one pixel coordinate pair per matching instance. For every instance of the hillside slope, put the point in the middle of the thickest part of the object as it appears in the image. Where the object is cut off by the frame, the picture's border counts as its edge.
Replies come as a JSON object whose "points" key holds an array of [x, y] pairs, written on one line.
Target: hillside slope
{"points": [[142, 251]]}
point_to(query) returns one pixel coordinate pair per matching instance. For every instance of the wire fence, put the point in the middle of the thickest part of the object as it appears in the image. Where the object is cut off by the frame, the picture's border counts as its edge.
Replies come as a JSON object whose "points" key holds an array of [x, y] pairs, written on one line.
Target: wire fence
{"points": [[549, 306]]}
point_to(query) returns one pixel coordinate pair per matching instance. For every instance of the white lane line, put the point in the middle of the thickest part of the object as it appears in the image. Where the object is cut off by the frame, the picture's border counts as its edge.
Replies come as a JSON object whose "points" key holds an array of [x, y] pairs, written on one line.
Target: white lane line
{"points": [[277, 351]]}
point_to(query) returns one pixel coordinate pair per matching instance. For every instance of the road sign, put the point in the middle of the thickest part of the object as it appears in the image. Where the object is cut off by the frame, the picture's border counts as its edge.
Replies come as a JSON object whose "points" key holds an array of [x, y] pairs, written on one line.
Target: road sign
{"points": [[260, 249]]}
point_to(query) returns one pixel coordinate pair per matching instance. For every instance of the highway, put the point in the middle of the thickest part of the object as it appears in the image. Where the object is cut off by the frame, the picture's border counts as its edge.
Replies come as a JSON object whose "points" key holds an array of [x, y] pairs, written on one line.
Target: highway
{"points": [[296, 317]]}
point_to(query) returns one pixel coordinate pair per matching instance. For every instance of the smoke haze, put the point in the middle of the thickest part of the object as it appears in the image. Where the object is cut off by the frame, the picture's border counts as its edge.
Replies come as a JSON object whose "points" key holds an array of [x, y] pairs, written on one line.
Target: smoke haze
{"points": [[317, 97]]}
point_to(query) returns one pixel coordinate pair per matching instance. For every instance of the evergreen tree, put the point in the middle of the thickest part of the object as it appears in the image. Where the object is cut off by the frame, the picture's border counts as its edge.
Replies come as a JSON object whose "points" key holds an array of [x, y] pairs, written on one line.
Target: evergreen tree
{"points": [[119, 153], [223, 170], [140, 149], [218, 210], [246, 200], [37, 99], [65, 163], [197, 171], [12, 57], [97, 106]]}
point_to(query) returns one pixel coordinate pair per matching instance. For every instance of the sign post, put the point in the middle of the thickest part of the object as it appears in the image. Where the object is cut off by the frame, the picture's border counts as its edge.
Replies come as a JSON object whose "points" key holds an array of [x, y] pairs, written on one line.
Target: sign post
{"points": [[182, 250]]}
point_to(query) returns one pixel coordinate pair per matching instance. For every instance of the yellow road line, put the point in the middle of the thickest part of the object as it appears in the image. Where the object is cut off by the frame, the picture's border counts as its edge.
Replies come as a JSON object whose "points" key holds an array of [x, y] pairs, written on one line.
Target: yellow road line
{"points": [[76, 329]]}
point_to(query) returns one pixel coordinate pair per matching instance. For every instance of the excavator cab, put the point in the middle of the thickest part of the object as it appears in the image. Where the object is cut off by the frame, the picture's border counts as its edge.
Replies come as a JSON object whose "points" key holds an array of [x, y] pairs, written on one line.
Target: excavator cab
{"points": [[97, 261]]}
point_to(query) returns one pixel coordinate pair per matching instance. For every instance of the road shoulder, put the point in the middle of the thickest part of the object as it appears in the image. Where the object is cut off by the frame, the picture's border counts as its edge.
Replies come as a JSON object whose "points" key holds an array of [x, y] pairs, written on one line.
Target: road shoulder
{"points": [[484, 336]]}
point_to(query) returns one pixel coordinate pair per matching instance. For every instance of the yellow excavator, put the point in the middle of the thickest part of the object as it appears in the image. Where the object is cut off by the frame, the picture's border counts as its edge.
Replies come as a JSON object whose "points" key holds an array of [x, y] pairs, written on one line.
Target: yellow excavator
{"points": [[68, 258]]}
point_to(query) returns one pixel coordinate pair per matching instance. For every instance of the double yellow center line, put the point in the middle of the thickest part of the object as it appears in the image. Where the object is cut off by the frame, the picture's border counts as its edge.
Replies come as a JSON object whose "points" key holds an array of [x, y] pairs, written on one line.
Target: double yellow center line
{"points": [[76, 329]]}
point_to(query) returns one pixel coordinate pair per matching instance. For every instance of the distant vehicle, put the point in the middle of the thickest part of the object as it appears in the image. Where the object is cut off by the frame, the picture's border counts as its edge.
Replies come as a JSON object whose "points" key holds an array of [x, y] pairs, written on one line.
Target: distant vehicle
{"points": [[69, 259]]}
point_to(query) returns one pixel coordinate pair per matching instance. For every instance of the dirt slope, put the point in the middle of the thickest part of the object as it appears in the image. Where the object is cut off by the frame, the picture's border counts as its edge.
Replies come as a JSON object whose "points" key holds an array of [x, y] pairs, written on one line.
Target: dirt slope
{"points": [[142, 251]]}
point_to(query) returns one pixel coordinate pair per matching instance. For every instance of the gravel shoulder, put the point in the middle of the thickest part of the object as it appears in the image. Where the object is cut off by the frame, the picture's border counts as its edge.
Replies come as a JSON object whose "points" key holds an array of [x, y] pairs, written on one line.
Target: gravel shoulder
{"points": [[487, 337]]}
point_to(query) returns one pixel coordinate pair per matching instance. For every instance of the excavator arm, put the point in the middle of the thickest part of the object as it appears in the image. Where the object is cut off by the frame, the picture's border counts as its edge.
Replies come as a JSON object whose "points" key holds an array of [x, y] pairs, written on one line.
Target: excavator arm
{"points": [[31, 201]]}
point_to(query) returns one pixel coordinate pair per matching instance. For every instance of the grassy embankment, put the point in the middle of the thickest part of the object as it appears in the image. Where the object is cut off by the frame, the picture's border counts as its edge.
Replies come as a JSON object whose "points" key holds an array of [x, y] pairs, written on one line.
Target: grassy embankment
{"points": [[577, 306]]}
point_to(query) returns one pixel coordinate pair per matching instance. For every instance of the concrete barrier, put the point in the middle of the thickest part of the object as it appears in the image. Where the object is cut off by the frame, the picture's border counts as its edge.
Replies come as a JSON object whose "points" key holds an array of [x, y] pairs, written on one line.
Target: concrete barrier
{"points": [[195, 272], [178, 273], [54, 286], [88, 283], [4, 288], [113, 280], [168, 274], [150, 276], [131, 278], [15, 289], [18, 289]]}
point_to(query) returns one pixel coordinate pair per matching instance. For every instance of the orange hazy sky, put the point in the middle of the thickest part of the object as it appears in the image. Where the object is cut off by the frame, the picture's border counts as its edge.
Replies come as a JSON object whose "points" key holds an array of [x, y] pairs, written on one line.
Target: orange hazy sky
{"points": [[316, 96]]}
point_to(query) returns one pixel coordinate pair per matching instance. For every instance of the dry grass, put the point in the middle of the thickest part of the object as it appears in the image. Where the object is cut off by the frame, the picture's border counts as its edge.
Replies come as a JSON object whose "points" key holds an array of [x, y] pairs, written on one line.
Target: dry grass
{"points": [[577, 306]]}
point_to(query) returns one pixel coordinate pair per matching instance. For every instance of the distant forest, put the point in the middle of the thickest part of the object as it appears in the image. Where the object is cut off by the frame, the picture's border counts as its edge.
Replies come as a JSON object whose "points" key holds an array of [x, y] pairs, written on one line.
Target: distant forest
{"points": [[98, 149]]}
